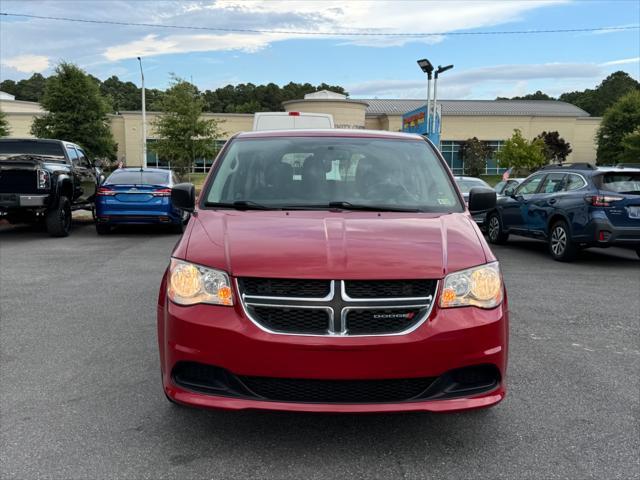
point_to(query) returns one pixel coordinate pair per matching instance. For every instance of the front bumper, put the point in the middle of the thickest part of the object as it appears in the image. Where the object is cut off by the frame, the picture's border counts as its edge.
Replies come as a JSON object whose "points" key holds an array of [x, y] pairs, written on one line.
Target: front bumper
{"points": [[21, 200], [223, 337]]}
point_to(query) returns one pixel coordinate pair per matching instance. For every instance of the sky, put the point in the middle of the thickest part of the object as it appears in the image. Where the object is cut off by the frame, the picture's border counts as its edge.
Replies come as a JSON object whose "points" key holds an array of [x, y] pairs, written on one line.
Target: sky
{"points": [[485, 66]]}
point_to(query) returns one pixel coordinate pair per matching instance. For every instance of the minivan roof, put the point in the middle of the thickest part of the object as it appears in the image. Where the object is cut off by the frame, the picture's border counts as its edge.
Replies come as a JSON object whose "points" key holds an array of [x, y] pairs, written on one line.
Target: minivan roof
{"points": [[336, 132]]}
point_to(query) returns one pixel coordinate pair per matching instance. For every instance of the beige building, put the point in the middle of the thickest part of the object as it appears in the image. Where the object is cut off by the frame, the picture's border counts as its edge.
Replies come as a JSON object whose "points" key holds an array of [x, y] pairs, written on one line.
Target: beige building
{"points": [[489, 120]]}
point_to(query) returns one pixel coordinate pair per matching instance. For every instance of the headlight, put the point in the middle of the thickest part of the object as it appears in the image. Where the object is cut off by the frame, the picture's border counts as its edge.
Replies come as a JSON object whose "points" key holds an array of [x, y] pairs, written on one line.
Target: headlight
{"points": [[44, 179], [189, 284], [479, 286]]}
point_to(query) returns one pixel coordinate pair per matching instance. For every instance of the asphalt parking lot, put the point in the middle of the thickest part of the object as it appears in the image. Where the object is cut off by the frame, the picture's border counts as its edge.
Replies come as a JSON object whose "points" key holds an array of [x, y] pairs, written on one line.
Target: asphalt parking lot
{"points": [[80, 393]]}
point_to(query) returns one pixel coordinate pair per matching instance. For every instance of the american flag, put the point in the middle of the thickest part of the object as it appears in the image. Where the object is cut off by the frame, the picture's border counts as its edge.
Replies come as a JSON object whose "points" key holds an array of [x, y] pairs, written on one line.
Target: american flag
{"points": [[505, 175]]}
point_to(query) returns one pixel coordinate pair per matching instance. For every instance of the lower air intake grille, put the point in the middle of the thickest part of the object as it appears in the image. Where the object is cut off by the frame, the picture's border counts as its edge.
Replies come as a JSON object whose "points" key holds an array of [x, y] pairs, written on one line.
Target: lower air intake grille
{"points": [[336, 391]]}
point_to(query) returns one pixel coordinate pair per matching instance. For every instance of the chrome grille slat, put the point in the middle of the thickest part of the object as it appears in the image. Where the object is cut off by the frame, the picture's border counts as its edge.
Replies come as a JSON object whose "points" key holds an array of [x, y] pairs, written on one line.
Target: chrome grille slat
{"points": [[338, 305]]}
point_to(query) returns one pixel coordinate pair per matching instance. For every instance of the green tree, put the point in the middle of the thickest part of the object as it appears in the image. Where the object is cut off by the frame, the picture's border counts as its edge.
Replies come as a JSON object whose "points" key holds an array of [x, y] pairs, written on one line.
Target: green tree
{"points": [[620, 120], [475, 154], [539, 95], [597, 101], [9, 86], [122, 95], [183, 135], [521, 154], [631, 147], [76, 112], [4, 125], [556, 149]]}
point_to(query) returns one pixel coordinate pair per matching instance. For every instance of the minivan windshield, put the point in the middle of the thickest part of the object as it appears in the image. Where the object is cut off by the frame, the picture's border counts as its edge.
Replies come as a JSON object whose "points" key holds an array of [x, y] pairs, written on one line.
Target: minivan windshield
{"points": [[331, 172]]}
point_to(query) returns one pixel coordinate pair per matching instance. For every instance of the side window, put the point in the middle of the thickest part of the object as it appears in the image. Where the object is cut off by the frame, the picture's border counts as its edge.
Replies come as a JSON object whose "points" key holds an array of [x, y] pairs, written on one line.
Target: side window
{"points": [[73, 155], [83, 161], [574, 182], [553, 183], [530, 185]]}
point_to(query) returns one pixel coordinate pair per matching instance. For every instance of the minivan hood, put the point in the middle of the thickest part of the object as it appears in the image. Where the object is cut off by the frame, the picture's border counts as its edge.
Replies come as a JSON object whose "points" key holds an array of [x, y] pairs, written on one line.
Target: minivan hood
{"points": [[335, 245]]}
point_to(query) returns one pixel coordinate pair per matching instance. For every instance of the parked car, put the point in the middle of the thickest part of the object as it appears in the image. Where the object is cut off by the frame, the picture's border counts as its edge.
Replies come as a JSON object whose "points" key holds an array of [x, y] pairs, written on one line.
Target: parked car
{"points": [[138, 196], [44, 181], [572, 206], [503, 185], [370, 290], [291, 120], [465, 184]]}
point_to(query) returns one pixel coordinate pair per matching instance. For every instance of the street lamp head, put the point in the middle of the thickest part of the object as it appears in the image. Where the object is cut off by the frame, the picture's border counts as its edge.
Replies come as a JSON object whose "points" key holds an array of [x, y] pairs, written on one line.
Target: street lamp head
{"points": [[425, 65], [443, 69]]}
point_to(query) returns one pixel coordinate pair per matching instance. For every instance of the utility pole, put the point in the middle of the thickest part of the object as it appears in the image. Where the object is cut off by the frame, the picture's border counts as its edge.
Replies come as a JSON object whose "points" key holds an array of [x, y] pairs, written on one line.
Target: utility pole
{"points": [[144, 120]]}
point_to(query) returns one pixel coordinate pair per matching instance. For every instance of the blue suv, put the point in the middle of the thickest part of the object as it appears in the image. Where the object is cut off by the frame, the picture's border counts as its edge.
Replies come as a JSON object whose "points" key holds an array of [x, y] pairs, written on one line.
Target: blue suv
{"points": [[571, 206]]}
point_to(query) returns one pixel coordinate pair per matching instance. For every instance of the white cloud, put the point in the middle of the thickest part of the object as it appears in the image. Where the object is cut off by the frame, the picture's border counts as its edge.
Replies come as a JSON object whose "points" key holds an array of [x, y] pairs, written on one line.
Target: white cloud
{"points": [[623, 61], [27, 63], [152, 45], [318, 18], [485, 82]]}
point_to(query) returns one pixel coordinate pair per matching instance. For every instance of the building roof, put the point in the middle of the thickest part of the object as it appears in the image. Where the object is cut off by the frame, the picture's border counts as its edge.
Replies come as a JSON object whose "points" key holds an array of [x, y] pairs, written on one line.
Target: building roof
{"points": [[535, 108], [325, 94]]}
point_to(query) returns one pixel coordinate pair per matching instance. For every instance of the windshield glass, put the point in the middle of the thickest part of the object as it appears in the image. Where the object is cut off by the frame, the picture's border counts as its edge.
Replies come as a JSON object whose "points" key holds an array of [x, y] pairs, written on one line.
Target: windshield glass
{"points": [[313, 172], [627, 182], [31, 147], [128, 177], [468, 183]]}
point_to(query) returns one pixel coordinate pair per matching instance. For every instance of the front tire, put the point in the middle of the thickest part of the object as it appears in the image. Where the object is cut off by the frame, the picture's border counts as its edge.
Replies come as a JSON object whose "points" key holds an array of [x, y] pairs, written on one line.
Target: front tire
{"points": [[561, 247], [58, 219], [495, 231]]}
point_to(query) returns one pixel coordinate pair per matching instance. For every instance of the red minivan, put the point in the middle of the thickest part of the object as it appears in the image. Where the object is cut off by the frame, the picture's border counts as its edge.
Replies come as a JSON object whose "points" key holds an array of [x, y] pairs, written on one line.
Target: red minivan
{"points": [[332, 271]]}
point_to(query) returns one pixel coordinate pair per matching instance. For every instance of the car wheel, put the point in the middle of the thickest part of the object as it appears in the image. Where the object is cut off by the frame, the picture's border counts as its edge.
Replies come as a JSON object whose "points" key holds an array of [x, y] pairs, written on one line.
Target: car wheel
{"points": [[494, 229], [103, 229], [58, 219], [561, 246]]}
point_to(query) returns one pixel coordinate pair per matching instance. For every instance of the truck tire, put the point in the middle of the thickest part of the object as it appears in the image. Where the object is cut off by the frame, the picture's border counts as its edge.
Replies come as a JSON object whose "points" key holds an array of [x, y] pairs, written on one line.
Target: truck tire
{"points": [[58, 218], [561, 247]]}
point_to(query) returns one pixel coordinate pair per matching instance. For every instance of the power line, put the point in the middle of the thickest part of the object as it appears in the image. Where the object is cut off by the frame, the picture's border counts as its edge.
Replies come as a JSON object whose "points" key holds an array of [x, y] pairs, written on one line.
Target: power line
{"points": [[300, 32]]}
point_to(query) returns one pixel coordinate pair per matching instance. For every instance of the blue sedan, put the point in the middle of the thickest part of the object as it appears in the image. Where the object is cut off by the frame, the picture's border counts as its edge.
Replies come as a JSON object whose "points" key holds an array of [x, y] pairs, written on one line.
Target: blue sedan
{"points": [[137, 196]]}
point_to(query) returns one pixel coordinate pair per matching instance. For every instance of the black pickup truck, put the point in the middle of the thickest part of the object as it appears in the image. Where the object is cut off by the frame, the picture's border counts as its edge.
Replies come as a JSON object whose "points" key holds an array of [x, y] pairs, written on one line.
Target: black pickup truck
{"points": [[44, 180]]}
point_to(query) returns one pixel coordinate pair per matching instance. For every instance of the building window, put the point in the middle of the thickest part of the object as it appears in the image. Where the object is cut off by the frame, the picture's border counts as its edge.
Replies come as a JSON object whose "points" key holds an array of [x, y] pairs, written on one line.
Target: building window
{"points": [[199, 164], [450, 150]]}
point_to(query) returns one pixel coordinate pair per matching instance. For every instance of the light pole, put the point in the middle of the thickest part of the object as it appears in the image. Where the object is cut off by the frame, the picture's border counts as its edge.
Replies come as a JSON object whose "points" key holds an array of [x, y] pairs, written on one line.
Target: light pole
{"points": [[435, 92], [427, 68], [144, 120]]}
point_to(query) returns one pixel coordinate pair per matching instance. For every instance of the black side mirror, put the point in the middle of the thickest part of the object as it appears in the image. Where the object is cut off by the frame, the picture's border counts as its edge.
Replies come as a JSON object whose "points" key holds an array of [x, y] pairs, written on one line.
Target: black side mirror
{"points": [[481, 199], [183, 196], [508, 192]]}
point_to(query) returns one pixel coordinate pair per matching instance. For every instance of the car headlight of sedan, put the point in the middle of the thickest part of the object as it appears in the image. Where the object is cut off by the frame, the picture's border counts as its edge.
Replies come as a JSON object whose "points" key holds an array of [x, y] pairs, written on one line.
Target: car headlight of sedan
{"points": [[478, 286], [189, 284]]}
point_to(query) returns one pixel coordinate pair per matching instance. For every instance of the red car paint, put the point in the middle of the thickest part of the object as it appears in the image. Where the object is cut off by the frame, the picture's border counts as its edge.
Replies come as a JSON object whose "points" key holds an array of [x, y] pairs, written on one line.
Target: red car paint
{"points": [[346, 245]]}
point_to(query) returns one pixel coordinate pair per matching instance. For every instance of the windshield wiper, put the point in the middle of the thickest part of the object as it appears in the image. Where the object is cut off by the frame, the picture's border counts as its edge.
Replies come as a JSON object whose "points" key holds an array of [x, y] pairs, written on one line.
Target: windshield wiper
{"points": [[241, 205], [372, 208]]}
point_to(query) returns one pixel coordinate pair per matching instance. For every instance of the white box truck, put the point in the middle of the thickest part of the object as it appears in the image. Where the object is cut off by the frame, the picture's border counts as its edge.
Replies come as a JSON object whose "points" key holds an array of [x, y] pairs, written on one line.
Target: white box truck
{"points": [[291, 120]]}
